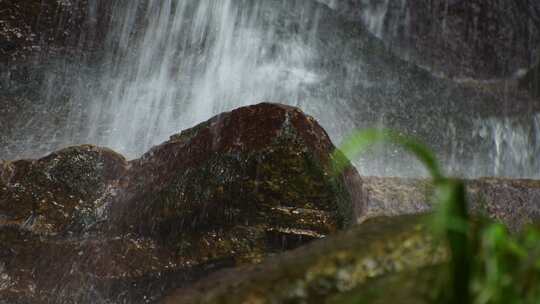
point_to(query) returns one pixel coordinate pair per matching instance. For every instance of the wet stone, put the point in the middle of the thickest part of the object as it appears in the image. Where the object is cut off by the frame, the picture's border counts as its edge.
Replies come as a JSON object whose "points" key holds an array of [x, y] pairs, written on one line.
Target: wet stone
{"points": [[61, 193], [330, 269], [83, 225], [514, 202]]}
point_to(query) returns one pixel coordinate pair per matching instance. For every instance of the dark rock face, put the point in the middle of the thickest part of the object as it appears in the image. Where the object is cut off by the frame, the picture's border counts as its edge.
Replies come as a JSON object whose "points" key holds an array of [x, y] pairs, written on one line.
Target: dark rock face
{"points": [[531, 81], [34, 28], [83, 225], [483, 39], [40, 40], [498, 37], [479, 39]]}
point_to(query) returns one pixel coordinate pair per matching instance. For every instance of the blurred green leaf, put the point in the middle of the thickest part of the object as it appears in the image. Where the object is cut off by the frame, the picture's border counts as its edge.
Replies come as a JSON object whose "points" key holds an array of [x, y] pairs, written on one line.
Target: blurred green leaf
{"points": [[360, 141], [489, 265]]}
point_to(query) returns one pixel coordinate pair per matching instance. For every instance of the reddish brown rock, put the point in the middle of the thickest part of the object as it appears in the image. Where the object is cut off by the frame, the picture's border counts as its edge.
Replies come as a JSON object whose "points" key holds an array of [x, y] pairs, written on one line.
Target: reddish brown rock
{"points": [[252, 159], [62, 193], [83, 225]]}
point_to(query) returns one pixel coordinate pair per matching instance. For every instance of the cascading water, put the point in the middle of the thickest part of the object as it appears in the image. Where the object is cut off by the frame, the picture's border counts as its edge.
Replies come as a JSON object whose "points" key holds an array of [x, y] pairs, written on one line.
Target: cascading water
{"points": [[170, 64], [375, 16], [193, 59], [510, 144], [515, 145]]}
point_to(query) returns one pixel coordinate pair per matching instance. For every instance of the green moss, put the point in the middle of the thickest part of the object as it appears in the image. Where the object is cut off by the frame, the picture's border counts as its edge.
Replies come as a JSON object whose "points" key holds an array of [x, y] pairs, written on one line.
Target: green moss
{"points": [[338, 265], [411, 287], [59, 192], [246, 204]]}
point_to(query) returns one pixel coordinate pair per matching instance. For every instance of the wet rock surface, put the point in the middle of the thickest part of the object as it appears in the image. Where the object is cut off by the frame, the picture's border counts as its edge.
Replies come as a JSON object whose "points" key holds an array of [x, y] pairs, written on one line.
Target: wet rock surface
{"points": [[265, 164], [515, 202], [477, 39], [39, 40], [83, 225], [61, 194], [325, 271], [485, 39], [531, 81], [35, 29], [391, 256]]}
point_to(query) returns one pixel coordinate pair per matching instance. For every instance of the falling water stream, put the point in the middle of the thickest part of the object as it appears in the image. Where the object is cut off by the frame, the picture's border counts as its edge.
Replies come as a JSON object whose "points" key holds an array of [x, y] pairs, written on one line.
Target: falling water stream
{"points": [[192, 60], [171, 64]]}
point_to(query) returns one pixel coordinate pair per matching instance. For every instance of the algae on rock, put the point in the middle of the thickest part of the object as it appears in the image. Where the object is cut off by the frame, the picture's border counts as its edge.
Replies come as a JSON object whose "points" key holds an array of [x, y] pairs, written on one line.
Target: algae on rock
{"points": [[319, 272]]}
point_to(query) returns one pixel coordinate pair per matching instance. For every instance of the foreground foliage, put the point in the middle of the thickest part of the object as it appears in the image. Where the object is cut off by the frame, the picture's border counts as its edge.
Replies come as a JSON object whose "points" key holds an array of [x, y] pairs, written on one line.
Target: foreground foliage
{"points": [[488, 264]]}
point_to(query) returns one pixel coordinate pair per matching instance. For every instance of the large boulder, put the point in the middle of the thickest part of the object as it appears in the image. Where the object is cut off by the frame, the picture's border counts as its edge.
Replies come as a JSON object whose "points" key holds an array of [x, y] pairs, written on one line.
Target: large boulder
{"points": [[252, 179], [83, 225]]}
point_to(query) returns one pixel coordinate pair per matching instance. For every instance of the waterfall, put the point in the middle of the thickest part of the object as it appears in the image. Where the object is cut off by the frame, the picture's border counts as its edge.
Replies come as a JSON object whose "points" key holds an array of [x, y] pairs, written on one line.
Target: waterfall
{"points": [[170, 64], [514, 145], [374, 17], [192, 60]]}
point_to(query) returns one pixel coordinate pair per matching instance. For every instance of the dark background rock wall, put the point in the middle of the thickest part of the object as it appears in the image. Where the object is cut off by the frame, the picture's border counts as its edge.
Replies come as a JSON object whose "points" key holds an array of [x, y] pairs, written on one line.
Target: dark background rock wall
{"points": [[480, 39]]}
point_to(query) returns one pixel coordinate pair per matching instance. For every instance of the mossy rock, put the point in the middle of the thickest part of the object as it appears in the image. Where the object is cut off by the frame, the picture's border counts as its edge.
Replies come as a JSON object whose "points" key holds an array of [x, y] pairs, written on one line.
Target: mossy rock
{"points": [[342, 267], [83, 225], [61, 193], [259, 179]]}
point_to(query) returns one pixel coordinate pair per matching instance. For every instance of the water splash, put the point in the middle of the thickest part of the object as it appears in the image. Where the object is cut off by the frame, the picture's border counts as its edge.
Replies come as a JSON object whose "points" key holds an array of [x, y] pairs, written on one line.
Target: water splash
{"points": [[171, 64], [513, 145], [374, 16], [191, 60]]}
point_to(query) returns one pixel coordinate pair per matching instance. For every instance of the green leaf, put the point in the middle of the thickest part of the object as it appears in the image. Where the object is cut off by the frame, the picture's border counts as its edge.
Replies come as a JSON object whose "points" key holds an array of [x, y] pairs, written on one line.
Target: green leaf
{"points": [[360, 141]]}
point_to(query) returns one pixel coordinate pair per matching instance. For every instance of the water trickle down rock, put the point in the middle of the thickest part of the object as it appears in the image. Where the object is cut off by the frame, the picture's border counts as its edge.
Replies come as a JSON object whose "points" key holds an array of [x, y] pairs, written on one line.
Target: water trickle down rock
{"points": [[83, 225]]}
